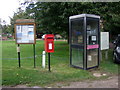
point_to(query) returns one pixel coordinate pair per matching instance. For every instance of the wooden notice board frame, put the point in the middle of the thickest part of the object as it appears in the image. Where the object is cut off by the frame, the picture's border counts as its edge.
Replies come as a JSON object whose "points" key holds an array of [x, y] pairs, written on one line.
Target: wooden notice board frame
{"points": [[27, 24]]}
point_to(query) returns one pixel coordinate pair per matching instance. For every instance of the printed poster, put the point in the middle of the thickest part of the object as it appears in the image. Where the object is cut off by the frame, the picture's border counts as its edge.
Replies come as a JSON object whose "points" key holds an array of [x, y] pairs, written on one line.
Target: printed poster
{"points": [[25, 33]]}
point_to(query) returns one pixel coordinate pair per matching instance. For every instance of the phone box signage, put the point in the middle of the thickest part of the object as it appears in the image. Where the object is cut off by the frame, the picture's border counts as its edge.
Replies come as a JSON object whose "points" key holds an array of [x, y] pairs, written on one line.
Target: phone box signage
{"points": [[92, 46], [49, 43]]}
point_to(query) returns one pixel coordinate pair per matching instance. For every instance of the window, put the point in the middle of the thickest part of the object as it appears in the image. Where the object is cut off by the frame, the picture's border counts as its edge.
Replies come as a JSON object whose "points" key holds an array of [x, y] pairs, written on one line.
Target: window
{"points": [[77, 31]]}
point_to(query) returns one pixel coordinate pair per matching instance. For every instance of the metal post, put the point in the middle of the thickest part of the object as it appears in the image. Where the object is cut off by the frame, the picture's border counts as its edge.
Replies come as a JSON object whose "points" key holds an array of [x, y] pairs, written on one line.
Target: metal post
{"points": [[34, 54], [101, 57], [106, 54], [49, 61], [18, 50]]}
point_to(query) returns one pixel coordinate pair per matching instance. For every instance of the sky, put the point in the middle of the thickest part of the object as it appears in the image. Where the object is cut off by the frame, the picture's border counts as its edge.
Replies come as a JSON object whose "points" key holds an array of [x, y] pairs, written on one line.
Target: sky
{"points": [[7, 9]]}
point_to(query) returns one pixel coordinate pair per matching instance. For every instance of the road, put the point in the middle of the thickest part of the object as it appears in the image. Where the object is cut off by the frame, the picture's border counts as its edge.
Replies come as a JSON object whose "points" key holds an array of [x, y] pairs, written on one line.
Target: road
{"points": [[111, 82]]}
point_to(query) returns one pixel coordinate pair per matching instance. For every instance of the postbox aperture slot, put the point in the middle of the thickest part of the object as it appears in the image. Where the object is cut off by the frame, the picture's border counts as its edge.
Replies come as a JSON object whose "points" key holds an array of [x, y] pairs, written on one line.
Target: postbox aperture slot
{"points": [[50, 38]]}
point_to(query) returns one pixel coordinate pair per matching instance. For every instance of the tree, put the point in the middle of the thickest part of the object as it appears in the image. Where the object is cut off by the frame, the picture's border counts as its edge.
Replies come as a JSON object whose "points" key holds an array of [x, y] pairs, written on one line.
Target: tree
{"points": [[21, 13], [53, 17]]}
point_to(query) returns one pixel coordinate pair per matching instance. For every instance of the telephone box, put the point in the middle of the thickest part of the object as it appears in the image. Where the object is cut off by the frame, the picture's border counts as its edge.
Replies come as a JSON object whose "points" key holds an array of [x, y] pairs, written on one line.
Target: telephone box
{"points": [[84, 36], [49, 43]]}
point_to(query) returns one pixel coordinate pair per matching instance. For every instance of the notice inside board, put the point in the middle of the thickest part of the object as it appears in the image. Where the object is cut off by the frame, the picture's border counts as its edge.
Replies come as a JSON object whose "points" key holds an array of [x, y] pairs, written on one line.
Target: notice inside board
{"points": [[25, 34]]}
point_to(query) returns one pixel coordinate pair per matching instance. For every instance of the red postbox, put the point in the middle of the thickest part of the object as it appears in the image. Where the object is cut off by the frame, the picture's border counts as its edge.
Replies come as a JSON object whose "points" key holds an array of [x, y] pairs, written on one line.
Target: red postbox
{"points": [[49, 43]]}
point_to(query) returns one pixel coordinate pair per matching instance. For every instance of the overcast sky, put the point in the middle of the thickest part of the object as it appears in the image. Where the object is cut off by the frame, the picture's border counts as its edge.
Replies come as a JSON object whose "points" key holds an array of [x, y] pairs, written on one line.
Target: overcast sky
{"points": [[7, 8]]}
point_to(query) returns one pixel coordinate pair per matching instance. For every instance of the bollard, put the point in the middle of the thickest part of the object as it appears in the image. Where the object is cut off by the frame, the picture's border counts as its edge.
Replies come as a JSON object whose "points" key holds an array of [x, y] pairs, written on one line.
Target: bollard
{"points": [[43, 59]]}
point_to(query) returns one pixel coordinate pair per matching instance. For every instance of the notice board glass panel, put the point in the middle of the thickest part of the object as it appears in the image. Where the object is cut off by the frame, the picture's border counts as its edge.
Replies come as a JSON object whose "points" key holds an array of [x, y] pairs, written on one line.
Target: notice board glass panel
{"points": [[77, 31], [77, 57], [25, 34]]}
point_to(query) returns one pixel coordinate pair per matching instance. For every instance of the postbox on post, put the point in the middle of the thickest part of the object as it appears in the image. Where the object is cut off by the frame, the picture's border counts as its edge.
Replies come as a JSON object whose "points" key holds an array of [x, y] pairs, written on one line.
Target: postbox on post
{"points": [[49, 43], [49, 46]]}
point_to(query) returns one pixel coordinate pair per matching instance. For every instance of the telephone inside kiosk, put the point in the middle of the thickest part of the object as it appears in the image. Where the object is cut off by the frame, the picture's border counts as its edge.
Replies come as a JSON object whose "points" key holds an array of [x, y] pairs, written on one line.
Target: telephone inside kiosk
{"points": [[91, 36]]}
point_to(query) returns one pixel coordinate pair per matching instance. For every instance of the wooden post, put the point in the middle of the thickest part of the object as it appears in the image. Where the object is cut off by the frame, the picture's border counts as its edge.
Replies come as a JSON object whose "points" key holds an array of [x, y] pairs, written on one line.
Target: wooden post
{"points": [[106, 54]]}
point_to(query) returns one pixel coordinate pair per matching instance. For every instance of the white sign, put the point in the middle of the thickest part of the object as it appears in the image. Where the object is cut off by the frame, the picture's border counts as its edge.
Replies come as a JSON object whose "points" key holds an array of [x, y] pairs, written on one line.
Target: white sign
{"points": [[25, 33], [93, 38], [104, 40], [50, 46], [89, 58]]}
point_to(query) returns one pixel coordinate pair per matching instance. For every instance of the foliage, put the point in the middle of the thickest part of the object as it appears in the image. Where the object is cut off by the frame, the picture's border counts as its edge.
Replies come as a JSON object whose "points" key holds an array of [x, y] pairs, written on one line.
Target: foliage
{"points": [[111, 17], [53, 17], [7, 29], [19, 15]]}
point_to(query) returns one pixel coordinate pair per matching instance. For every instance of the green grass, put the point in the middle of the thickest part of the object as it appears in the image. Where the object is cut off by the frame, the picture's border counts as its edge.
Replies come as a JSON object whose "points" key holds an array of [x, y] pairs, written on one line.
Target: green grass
{"points": [[108, 65], [60, 69]]}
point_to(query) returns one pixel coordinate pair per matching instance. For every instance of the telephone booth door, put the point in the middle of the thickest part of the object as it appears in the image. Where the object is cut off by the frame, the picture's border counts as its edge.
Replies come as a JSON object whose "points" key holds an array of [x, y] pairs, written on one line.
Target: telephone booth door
{"points": [[93, 42], [77, 43]]}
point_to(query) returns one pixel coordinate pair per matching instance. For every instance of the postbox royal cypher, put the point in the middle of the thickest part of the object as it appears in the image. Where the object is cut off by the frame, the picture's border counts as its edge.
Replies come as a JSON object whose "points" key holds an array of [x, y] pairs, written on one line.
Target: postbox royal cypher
{"points": [[49, 43]]}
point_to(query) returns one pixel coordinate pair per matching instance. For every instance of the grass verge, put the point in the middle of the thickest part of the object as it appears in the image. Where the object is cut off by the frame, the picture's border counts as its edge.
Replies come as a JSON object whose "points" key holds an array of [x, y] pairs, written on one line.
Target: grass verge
{"points": [[60, 69]]}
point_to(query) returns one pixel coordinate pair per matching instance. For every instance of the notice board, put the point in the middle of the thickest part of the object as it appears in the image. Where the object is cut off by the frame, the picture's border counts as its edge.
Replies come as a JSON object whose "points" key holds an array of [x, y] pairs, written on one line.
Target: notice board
{"points": [[104, 40], [25, 31]]}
